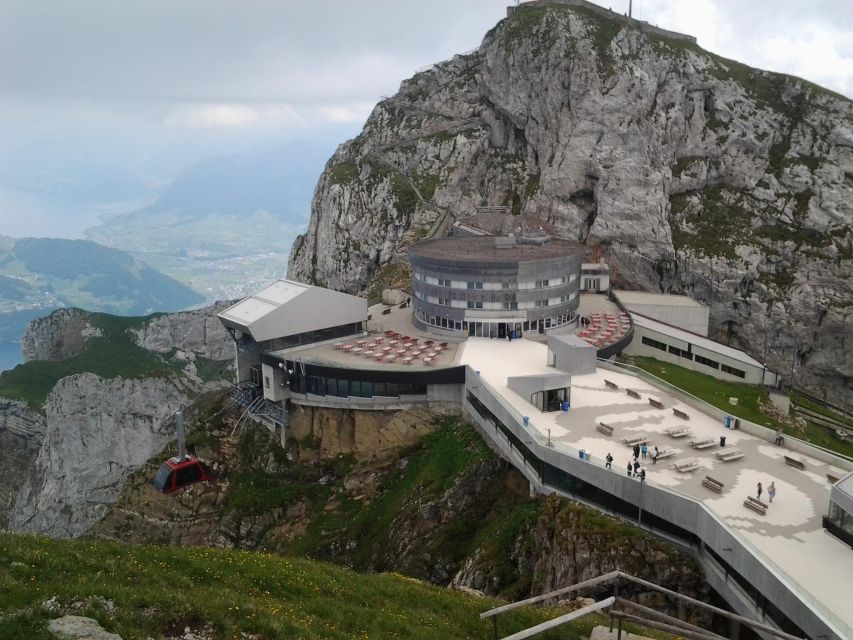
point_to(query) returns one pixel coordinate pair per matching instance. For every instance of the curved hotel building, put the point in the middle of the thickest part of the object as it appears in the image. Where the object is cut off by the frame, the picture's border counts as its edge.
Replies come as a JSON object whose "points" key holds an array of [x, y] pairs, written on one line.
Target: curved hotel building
{"points": [[489, 286]]}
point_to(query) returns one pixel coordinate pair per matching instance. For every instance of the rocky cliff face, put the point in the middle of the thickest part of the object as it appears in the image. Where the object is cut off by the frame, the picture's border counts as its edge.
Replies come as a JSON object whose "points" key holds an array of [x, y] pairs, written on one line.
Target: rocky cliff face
{"points": [[97, 432], [687, 172], [21, 434], [61, 335], [198, 332], [64, 463]]}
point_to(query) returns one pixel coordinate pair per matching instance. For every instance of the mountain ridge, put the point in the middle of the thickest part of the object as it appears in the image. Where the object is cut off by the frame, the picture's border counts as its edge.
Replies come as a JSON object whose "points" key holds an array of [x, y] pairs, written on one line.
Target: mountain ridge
{"points": [[687, 172]]}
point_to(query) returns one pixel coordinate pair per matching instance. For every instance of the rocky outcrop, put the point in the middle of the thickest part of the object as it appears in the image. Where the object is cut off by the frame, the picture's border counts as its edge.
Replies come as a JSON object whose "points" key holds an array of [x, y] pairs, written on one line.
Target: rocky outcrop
{"points": [[21, 434], [61, 335], [96, 432], [366, 435], [198, 332], [687, 172]]}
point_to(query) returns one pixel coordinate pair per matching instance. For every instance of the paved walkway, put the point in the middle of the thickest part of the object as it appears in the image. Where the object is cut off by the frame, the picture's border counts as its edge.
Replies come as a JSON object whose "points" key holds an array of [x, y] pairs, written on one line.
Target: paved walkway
{"points": [[790, 535]]}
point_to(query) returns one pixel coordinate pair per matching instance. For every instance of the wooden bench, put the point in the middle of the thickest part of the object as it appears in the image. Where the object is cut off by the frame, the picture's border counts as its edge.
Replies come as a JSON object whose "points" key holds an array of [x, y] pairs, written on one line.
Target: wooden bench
{"points": [[755, 505], [678, 432], [686, 466], [632, 440], [714, 485], [606, 429], [702, 444], [633, 393], [680, 414], [793, 462], [832, 479], [657, 404], [665, 453], [729, 454], [610, 385], [385, 312]]}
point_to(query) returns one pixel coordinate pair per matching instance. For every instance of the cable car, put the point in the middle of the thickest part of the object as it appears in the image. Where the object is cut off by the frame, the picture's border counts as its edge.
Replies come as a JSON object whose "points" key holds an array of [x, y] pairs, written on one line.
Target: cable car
{"points": [[182, 470]]}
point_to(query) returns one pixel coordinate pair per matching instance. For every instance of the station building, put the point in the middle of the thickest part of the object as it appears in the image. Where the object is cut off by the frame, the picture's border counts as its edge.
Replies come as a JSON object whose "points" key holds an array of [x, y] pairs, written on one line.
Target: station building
{"points": [[491, 286]]}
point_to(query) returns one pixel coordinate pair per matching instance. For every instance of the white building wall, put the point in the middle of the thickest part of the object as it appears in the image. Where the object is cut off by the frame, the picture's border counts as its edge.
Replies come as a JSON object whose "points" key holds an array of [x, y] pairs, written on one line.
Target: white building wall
{"points": [[693, 319], [752, 374]]}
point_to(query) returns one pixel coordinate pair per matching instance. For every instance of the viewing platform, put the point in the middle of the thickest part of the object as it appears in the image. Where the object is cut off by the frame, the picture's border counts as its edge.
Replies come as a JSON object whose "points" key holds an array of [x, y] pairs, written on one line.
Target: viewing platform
{"points": [[784, 555]]}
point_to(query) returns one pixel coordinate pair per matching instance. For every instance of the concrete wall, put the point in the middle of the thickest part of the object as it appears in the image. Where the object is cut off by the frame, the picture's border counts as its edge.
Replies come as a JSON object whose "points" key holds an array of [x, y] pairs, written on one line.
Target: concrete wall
{"points": [[683, 511], [753, 374], [573, 359], [439, 397]]}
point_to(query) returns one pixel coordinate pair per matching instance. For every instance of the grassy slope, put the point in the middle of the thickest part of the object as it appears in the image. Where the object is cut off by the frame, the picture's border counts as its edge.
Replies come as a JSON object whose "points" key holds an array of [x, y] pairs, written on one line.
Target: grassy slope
{"points": [[113, 355], [160, 590], [717, 392]]}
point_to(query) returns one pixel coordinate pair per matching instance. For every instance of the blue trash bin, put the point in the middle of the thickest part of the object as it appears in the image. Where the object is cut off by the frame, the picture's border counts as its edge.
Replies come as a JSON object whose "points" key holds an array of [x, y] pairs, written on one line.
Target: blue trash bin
{"points": [[564, 406], [581, 454], [526, 420]]}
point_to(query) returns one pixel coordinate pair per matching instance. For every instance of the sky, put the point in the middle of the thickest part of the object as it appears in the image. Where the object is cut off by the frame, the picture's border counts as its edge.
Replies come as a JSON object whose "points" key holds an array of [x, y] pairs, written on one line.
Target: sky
{"points": [[102, 103]]}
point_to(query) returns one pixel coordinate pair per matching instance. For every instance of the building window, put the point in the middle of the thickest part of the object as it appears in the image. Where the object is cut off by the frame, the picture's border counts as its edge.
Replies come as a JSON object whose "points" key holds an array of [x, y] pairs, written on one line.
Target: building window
{"points": [[443, 283], [541, 283], [681, 353], [654, 343], [708, 363], [504, 285], [475, 285], [541, 303], [510, 305], [733, 371], [444, 302], [475, 304], [267, 382]]}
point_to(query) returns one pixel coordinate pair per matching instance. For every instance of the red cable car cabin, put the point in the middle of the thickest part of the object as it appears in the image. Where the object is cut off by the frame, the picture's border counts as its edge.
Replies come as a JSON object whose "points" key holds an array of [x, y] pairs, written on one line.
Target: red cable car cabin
{"points": [[176, 474]]}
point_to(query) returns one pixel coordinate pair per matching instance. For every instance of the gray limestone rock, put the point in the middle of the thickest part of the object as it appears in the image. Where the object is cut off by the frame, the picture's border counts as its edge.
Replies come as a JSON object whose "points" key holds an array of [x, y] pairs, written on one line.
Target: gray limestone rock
{"points": [[79, 628], [21, 433], [61, 335], [687, 172], [197, 331]]}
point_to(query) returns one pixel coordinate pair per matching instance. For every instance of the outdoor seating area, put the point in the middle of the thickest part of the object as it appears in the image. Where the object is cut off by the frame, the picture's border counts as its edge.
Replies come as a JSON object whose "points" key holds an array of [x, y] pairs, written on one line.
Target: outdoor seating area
{"points": [[605, 328], [793, 462], [686, 466], [393, 347], [604, 428], [665, 453], [635, 439]]}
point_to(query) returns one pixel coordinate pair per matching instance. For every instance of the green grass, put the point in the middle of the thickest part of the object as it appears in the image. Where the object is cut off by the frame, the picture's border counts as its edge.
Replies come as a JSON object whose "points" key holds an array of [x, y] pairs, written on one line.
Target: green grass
{"points": [[717, 393], [112, 355], [158, 591], [808, 403]]}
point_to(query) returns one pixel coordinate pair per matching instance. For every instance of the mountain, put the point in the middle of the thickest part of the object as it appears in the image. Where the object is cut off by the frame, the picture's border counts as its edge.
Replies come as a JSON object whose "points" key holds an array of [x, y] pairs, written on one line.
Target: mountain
{"points": [[38, 275], [687, 172], [224, 226]]}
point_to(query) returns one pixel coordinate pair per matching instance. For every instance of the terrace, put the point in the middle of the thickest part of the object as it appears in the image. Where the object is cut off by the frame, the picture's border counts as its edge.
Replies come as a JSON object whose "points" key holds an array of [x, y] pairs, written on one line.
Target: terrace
{"points": [[788, 535]]}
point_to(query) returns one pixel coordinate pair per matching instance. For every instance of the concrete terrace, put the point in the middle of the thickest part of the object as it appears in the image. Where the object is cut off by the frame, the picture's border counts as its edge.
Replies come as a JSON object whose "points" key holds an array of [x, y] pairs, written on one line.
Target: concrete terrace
{"points": [[789, 536]]}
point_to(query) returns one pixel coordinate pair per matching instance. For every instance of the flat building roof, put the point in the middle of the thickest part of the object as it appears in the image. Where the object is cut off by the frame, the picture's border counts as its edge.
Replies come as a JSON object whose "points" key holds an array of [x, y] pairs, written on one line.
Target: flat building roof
{"points": [[493, 249], [643, 297]]}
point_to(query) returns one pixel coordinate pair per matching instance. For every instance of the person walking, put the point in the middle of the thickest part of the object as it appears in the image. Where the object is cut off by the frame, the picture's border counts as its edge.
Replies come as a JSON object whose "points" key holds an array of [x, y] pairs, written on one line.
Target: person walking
{"points": [[760, 489], [644, 450], [771, 491], [629, 468], [636, 468], [608, 461], [636, 451], [642, 475]]}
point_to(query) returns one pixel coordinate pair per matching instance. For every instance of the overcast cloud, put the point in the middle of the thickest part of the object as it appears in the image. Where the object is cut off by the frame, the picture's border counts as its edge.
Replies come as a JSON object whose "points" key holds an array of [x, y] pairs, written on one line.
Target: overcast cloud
{"points": [[141, 89]]}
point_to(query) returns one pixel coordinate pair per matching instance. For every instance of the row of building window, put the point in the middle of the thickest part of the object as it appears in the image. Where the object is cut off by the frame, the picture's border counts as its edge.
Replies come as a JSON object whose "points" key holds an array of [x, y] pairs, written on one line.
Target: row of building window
{"points": [[713, 364], [321, 386], [494, 305], [480, 285], [486, 327]]}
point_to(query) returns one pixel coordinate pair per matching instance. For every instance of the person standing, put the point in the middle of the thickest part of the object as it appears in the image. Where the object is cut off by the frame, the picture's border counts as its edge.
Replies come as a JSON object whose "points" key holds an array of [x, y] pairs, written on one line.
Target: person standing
{"points": [[760, 489], [636, 451], [779, 438], [608, 461], [629, 468], [642, 475], [644, 450], [636, 467], [771, 491]]}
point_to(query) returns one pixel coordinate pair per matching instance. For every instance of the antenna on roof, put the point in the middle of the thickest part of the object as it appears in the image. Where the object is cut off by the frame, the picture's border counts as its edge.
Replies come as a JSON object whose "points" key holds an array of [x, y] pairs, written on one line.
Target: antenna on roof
{"points": [[630, 7]]}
